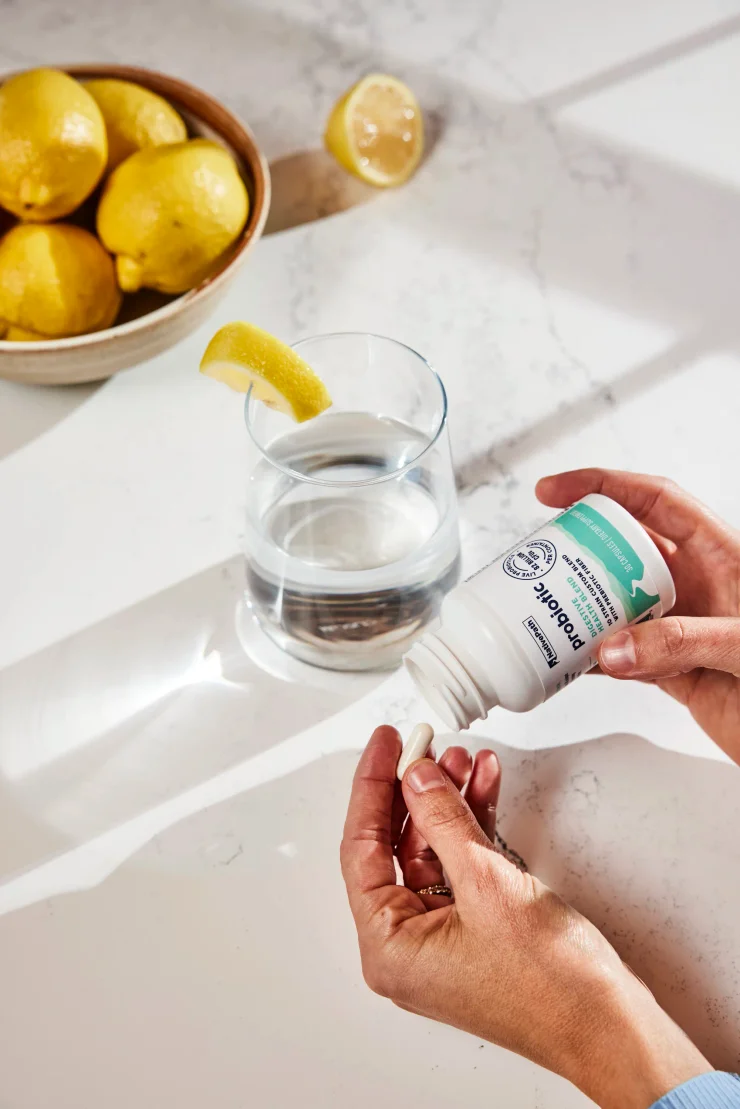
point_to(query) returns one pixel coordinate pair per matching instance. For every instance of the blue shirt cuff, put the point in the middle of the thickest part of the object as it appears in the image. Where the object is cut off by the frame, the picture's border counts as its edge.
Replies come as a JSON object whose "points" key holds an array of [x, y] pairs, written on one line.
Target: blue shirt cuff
{"points": [[709, 1091]]}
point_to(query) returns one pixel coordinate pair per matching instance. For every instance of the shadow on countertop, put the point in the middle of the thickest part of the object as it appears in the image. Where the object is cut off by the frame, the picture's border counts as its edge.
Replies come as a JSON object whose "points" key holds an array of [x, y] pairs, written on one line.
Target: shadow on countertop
{"points": [[642, 841], [310, 185], [512, 179]]}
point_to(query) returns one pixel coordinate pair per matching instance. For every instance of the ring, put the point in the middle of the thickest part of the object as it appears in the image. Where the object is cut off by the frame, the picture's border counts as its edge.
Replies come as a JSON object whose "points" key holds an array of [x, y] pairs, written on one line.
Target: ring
{"points": [[438, 891]]}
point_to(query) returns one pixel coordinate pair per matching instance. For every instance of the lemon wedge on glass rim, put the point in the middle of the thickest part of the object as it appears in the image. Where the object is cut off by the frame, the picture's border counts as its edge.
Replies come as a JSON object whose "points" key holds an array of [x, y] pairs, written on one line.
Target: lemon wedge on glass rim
{"points": [[376, 131], [245, 357]]}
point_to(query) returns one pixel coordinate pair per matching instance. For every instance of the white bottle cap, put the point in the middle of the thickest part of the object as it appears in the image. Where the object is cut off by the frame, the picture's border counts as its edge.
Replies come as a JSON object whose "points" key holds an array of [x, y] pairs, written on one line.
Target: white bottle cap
{"points": [[445, 683]]}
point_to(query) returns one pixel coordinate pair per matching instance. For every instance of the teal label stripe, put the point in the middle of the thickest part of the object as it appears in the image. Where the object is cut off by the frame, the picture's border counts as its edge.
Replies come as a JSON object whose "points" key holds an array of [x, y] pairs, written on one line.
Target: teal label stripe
{"points": [[624, 567]]}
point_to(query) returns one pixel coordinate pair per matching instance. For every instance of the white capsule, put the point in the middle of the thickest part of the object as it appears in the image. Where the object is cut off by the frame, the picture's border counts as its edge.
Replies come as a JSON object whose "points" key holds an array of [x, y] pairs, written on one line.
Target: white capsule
{"points": [[416, 747]]}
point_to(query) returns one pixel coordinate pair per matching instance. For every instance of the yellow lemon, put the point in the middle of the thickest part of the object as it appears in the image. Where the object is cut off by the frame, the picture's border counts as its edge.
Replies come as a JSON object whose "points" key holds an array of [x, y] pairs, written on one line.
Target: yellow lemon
{"points": [[55, 280], [376, 131], [244, 356], [169, 213], [53, 145], [134, 118]]}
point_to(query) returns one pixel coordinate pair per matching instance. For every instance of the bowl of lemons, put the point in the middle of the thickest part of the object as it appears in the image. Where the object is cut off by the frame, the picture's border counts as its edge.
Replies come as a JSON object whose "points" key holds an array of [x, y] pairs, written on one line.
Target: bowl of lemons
{"points": [[128, 202]]}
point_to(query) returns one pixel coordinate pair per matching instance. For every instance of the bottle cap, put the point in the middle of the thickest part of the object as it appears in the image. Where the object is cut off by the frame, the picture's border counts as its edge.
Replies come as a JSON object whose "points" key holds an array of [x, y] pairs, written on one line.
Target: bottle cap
{"points": [[445, 683]]}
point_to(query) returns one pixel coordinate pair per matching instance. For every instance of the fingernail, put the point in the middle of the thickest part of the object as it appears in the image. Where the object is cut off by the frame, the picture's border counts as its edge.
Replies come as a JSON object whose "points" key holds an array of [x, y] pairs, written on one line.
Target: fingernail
{"points": [[618, 654], [425, 775]]}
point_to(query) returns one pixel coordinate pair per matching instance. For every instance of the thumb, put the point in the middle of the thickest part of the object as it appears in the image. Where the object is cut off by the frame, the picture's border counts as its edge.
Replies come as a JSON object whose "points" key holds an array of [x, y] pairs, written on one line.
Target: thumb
{"points": [[674, 645], [442, 816]]}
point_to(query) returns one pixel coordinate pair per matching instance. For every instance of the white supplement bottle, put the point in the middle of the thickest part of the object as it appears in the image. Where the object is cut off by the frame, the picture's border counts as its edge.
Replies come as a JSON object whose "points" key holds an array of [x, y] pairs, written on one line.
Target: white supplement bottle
{"points": [[530, 623]]}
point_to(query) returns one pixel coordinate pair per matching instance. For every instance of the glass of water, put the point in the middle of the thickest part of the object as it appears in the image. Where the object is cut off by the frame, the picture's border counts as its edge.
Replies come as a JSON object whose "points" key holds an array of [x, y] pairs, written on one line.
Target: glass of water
{"points": [[352, 535]]}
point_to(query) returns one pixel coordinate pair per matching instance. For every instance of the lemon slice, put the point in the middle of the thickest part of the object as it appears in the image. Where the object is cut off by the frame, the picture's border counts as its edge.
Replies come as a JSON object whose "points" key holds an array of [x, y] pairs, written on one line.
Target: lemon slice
{"points": [[376, 131], [244, 356]]}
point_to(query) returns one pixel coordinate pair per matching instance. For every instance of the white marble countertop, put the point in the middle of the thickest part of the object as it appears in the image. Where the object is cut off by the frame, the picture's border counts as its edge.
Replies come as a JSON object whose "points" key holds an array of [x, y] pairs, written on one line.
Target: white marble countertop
{"points": [[173, 928]]}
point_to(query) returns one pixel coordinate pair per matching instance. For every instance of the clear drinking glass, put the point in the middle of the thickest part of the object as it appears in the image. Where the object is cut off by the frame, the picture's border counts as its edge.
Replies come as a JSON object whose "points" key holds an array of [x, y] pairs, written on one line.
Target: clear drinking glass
{"points": [[352, 535]]}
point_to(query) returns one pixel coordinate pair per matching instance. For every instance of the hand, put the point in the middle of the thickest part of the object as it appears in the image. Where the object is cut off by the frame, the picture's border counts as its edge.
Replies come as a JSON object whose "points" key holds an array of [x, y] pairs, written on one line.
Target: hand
{"points": [[507, 960], [694, 654]]}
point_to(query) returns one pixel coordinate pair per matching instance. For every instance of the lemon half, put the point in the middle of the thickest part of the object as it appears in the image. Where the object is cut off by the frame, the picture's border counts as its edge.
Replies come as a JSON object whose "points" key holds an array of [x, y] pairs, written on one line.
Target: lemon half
{"points": [[376, 131], [243, 356]]}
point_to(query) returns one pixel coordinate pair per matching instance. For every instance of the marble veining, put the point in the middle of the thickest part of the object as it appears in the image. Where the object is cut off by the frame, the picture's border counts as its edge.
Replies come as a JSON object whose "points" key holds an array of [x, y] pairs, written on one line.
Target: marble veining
{"points": [[173, 790]]}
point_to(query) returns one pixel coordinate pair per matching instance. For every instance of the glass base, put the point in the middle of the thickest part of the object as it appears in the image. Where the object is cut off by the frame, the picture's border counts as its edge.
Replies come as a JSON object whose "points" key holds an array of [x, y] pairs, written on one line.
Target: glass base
{"points": [[353, 632]]}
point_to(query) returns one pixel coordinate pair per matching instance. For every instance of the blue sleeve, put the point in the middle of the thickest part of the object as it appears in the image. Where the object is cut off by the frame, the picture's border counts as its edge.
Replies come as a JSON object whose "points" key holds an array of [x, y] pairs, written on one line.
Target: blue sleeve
{"points": [[709, 1091]]}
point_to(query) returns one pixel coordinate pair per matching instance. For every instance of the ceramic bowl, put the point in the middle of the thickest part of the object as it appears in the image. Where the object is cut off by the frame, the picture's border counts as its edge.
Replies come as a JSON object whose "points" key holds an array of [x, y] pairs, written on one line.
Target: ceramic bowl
{"points": [[150, 322]]}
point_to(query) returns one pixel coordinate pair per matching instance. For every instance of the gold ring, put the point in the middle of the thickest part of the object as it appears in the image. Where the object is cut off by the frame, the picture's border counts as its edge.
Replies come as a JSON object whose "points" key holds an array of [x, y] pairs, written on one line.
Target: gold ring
{"points": [[436, 891]]}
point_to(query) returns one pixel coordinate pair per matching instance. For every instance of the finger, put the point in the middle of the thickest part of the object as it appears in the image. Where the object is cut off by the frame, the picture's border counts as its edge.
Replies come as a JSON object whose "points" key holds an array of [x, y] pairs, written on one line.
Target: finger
{"points": [[419, 863], [400, 812], [655, 501], [666, 546], [444, 819], [483, 790], [367, 845], [457, 763], [674, 645]]}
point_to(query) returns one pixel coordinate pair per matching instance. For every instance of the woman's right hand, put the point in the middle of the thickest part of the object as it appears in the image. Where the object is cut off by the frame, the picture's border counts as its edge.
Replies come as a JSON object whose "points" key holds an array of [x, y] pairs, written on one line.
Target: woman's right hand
{"points": [[505, 960], [693, 654]]}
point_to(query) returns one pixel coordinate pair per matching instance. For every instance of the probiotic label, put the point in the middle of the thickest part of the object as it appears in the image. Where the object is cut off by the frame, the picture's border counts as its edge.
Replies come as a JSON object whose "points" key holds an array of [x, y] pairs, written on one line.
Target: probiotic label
{"points": [[568, 587]]}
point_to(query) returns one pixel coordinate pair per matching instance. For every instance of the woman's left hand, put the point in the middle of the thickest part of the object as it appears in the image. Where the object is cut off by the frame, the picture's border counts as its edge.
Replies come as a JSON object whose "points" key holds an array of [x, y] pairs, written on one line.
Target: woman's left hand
{"points": [[694, 653]]}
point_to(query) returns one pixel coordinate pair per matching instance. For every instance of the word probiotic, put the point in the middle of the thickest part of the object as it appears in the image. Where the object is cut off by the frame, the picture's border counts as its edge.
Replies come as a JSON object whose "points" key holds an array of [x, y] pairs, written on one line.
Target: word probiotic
{"points": [[531, 622]]}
